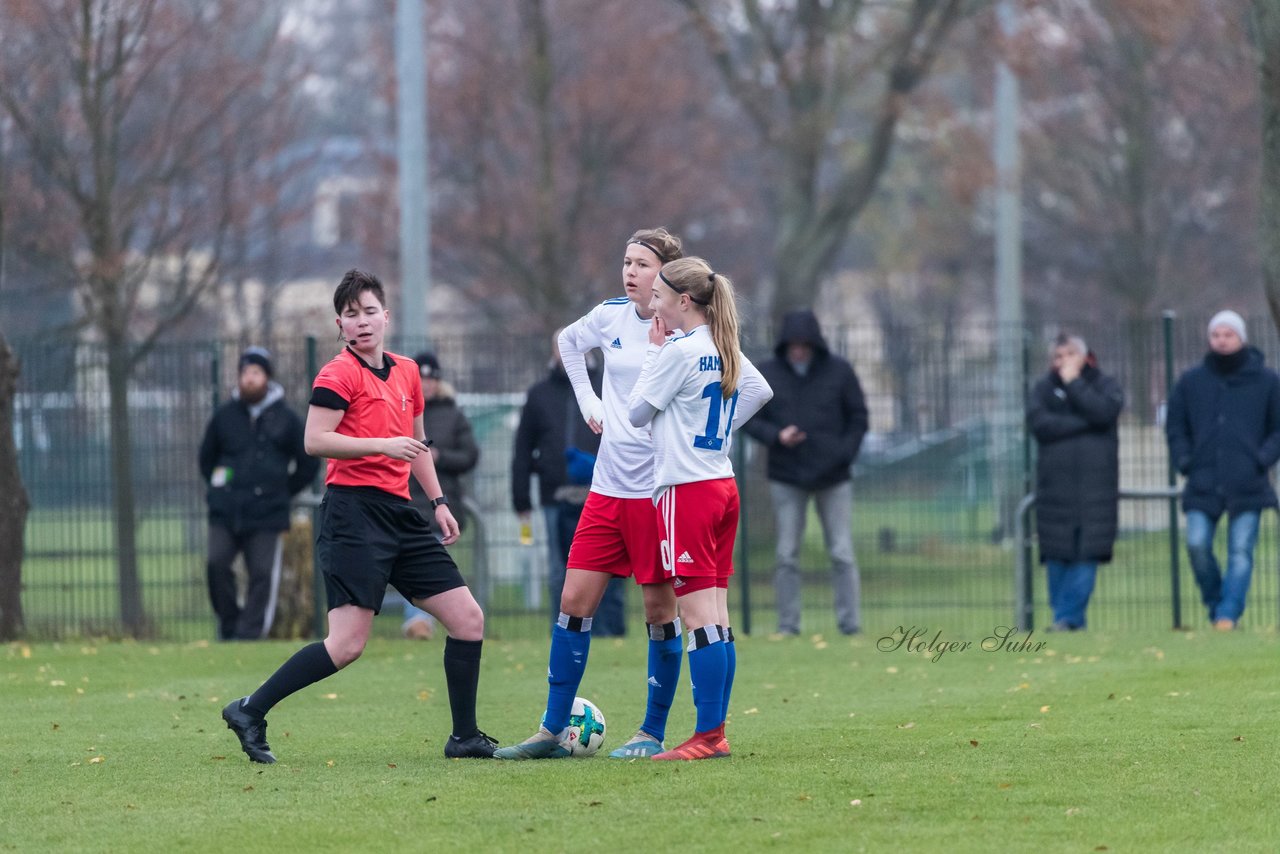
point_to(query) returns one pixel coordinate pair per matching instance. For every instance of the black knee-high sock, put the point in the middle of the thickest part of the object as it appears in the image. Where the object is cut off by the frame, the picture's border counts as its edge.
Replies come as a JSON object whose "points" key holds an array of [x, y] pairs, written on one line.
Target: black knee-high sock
{"points": [[309, 664], [462, 675]]}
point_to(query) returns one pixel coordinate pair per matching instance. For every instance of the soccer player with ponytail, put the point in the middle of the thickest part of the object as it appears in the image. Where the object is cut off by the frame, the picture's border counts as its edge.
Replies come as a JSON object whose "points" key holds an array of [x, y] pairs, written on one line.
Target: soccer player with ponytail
{"points": [[617, 534], [695, 387]]}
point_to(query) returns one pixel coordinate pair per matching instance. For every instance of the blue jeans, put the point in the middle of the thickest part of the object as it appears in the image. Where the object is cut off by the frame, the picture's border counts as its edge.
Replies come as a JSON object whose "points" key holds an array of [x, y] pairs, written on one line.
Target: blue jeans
{"points": [[1223, 595], [1070, 586]]}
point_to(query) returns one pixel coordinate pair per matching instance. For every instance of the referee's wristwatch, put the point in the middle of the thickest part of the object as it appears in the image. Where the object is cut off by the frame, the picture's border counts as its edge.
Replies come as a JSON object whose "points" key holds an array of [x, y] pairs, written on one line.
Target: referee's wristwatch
{"points": [[439, 502]]}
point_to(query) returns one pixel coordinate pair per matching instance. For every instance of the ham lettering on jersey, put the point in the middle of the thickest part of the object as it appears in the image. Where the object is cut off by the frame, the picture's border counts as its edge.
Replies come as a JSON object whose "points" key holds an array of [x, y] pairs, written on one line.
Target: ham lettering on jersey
{"points": [[692, 430]]}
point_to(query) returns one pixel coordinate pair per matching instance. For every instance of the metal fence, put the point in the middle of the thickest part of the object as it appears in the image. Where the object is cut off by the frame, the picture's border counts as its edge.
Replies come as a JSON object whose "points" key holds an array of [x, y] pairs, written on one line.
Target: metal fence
{"points": [[937, 484]]}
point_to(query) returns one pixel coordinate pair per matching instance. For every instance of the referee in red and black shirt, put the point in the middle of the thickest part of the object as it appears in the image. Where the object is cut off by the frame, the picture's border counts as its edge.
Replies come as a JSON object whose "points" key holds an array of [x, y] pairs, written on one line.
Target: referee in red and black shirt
{"points": [[366, 418]]}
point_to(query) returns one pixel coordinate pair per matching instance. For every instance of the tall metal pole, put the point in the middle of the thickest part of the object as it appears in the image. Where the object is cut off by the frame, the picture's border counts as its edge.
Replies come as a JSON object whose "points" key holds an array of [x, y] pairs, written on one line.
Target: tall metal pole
{"points": [[1009, 391], [411, 158]]}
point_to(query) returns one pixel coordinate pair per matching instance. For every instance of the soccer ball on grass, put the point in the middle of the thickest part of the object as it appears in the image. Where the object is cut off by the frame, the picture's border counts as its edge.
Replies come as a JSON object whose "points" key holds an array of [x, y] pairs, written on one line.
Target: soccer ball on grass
{"points": [[585, 733]]}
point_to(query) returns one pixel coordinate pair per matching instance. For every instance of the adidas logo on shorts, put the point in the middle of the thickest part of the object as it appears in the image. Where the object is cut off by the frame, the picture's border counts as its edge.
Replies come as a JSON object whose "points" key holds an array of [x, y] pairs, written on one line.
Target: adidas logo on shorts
{"points": [[684, 558], [616, 344]]}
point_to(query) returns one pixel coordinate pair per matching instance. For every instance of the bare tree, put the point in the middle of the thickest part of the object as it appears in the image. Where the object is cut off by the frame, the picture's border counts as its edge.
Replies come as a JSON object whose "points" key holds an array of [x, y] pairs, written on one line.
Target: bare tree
{"points": [[1266, 15], [132, 111], [927, 256], [13, 503], [270, 164], [824, 83], [1141, 165], [13, 495], [557, 130]]}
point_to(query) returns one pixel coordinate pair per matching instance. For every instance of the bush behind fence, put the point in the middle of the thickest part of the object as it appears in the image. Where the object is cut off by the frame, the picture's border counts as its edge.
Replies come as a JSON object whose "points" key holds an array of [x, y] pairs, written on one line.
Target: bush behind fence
{"points": [[931, 516]]}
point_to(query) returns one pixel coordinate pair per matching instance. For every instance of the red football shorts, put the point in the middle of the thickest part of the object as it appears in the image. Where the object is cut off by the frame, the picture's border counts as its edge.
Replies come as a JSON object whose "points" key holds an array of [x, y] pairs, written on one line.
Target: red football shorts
{"points": [[620, 536], [697, 525]]}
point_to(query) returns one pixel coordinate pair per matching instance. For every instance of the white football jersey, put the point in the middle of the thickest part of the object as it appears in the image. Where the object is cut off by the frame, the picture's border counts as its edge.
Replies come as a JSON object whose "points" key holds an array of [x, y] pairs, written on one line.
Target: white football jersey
{"points": [[693, 428], [624, 466]]}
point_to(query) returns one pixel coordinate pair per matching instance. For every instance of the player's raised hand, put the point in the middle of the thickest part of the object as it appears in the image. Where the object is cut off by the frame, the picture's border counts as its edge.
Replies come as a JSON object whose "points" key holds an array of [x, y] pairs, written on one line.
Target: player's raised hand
{"points": [[403, 448], [658, 331]]}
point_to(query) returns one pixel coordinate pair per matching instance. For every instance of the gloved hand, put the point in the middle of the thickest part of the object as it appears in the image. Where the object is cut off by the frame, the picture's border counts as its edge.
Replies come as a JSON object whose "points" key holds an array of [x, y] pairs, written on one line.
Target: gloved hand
{"points": [[593, 413]]}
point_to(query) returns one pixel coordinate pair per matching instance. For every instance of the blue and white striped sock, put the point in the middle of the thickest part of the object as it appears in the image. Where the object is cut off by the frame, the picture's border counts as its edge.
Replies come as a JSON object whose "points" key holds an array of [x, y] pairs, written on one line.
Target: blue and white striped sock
{"points": [[707, 664]]}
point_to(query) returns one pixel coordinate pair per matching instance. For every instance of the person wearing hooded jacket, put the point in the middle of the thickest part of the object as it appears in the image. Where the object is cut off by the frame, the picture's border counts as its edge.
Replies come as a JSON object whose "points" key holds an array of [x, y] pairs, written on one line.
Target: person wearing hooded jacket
{"points": [[253, 461], [451, 438], [813, 428], [455, 453], [1073, 413], [1223, 429]]}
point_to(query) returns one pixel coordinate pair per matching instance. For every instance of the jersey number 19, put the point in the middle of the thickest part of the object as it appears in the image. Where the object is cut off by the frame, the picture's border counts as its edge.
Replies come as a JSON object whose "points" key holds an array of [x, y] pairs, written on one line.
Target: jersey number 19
{"points": [[711, 438]]}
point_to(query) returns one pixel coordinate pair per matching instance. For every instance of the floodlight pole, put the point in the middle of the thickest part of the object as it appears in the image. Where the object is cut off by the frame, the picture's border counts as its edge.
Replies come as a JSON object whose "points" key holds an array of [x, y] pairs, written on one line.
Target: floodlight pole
{"points": [[411, 160], [1008, 250]]}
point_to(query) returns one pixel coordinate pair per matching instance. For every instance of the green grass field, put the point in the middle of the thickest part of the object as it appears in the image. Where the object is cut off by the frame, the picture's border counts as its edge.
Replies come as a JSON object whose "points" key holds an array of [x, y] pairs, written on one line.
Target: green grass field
{"points": [[1152, 741], [942, 564]]}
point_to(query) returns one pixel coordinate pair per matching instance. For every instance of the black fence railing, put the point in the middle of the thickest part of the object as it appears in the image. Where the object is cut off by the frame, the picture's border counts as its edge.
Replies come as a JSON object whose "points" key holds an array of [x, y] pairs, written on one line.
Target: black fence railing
{"points": [[937, 484]]}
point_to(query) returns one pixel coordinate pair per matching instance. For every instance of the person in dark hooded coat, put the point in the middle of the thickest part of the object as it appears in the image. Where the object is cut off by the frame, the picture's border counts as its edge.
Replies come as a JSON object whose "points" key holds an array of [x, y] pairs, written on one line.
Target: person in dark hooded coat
{"points": [[455, 453], [813, 428], [1073, 414], [1224, 435]]}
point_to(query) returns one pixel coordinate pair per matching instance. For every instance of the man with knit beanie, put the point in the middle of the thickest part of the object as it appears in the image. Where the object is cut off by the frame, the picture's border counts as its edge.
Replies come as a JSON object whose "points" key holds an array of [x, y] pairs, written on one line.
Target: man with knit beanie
{"points": [[1224, 436], [253, 462]]}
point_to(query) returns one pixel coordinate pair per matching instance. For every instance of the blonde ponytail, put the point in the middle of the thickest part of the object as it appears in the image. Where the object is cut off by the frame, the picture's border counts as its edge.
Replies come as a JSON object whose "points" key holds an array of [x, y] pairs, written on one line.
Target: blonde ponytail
{"points": [[714, 292], [722, 317]]}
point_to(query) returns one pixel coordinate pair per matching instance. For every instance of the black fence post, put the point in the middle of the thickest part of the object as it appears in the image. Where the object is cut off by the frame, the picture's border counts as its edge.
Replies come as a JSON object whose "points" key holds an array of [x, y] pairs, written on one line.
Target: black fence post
{"points": [[317, 582], [744, 565], [1024, 606], [1028, 580], [1174, 574]]}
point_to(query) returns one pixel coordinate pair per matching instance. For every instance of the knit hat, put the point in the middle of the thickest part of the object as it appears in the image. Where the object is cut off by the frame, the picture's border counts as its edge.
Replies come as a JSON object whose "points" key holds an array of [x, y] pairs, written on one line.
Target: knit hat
{"points": [[1232, 321], [256, 356], [428, 364]]}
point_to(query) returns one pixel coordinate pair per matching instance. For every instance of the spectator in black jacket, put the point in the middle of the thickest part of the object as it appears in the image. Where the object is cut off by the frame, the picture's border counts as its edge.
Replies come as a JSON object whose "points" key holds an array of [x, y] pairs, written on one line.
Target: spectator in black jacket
{"points": [[550, 425], [1224, 435], [813, 428], [253, 461], [1073, 414], [452, 441]]}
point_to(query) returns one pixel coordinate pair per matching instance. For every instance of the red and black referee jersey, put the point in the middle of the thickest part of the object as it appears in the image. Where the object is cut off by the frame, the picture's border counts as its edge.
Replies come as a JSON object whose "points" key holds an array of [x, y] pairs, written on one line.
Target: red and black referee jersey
{"points": [[377, 403]]}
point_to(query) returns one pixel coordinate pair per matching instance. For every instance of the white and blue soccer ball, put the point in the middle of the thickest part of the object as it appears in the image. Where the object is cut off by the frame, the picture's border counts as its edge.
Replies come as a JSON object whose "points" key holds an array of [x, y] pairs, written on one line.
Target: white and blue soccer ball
{"points": [[585, 733]]}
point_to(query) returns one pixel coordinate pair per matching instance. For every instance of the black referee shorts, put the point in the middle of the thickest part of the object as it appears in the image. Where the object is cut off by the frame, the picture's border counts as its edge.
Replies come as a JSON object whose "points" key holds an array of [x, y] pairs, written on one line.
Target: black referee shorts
{"points": [[369, 539]]}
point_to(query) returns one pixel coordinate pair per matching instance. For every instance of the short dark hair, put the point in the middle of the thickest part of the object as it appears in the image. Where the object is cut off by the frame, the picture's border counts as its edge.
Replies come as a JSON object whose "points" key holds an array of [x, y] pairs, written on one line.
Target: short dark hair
{"points": [[354, 283]]}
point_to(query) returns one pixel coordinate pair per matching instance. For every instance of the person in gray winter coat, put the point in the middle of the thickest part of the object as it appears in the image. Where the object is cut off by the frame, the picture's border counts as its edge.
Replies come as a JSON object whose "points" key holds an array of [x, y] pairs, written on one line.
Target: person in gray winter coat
{"points": [[813, 428]]}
